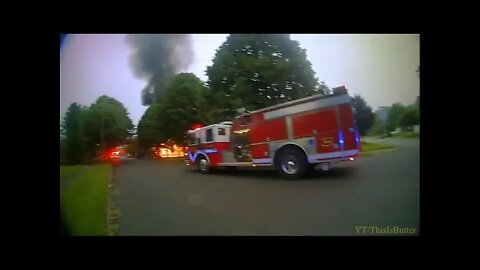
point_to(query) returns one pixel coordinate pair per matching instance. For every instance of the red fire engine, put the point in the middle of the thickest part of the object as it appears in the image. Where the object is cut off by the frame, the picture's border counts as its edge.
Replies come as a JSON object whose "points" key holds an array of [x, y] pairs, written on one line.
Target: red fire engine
{"points": [[294, 137]]}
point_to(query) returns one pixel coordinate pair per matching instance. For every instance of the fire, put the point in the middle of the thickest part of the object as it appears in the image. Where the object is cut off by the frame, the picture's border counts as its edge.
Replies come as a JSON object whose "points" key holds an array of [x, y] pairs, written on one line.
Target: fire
{"points": [[165, 152]]}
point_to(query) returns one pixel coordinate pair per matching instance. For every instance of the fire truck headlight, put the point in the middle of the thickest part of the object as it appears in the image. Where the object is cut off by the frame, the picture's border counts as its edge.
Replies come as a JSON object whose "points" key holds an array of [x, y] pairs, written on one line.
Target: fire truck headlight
{"points": [[351, 158]]}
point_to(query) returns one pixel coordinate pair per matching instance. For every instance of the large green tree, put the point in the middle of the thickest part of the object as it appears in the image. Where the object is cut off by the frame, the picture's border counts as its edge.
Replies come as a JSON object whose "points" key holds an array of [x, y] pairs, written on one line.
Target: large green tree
{"points": [[394, 114], [259, 70], [363, 114], [72, 144], [106, 122], [182, 105], [150, 127], [410, 117], [186, 101], [377, 127]]}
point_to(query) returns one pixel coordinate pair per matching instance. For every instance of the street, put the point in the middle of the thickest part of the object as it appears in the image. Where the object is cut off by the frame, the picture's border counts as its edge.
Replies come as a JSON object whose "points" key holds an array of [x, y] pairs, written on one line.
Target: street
{"points": [[165, 197]]}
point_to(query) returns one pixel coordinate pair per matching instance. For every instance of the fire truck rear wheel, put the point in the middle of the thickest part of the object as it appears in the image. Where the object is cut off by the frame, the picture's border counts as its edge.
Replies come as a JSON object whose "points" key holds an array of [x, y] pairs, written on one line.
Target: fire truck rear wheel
{"points": [[292, 164], [203, 165]]}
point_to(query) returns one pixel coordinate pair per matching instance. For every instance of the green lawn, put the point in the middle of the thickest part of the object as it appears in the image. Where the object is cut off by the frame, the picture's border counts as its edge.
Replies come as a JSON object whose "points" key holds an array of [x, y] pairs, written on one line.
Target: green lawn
{"points": [[368, 147], [84, 202], [406, 134], [65, 171]]}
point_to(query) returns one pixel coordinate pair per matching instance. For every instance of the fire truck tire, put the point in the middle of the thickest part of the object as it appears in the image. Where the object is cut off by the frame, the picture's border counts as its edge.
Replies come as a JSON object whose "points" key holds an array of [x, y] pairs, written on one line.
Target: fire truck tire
{"points": [[292, 164], [203, 165]]}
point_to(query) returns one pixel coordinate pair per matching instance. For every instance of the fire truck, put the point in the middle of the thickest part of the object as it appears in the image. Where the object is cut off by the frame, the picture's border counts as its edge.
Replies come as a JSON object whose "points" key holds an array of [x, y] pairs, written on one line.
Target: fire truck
{"points": [[294, 137]]}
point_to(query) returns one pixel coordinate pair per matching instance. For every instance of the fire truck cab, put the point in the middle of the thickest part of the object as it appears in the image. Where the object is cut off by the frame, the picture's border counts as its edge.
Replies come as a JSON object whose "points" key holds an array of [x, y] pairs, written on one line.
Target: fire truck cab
{"points": [[294, 137]]}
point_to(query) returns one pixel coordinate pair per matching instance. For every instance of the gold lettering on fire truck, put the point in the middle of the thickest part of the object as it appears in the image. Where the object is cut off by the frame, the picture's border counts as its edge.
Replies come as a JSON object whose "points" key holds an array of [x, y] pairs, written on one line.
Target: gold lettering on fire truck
{"points": [[328, 141]]}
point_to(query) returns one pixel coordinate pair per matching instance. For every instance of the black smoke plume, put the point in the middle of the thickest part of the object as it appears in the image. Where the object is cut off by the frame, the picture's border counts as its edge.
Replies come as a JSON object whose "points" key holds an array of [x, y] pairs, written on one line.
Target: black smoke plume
{"points": [[157, 58]]}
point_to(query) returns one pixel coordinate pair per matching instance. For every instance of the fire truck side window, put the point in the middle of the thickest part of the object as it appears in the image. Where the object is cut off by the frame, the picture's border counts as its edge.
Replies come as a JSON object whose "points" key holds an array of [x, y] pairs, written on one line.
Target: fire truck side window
{"points": [[221, 131], [191, 139], [209, 136]]}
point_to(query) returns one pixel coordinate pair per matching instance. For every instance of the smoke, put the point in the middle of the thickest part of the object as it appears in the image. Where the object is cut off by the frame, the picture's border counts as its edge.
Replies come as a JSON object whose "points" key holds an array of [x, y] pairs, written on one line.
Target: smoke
{"points": [[159, 53], [157, 58]]}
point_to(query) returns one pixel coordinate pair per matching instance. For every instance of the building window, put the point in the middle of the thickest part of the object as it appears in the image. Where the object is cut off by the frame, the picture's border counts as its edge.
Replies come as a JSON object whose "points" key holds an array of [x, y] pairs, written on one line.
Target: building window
{"points": [[221, 131], [209, 135]]}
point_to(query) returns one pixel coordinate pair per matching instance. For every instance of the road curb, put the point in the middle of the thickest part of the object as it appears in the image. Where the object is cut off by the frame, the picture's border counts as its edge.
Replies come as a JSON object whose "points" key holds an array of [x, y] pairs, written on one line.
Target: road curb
{"points": [[113, 213]]}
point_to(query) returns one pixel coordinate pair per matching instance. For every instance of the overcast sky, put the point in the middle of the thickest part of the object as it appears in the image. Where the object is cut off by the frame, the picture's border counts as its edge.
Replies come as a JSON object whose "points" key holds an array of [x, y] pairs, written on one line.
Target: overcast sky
{"points": [[380, 68]]}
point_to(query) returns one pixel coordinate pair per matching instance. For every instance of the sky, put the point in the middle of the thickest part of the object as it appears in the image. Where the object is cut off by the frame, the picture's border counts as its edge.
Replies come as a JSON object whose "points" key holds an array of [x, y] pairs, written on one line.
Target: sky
{"points": [[380, 68]]}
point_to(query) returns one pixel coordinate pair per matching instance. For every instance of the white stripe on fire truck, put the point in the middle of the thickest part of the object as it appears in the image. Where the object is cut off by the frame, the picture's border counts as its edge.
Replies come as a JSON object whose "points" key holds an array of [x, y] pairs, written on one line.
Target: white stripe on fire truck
{"points": [[204, 151], [311, 105], [262, 160], [333, 155]]}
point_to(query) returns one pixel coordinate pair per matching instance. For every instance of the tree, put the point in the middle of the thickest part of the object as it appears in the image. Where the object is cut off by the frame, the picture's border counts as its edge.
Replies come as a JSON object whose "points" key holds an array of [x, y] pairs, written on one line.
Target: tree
{"points": [[410, 117], [259, 70], [186, 101], [323, 88], [72, 145], [377, 128], [106, 123], [394, 114], [149, 127], [363, 114], [181, 106]]}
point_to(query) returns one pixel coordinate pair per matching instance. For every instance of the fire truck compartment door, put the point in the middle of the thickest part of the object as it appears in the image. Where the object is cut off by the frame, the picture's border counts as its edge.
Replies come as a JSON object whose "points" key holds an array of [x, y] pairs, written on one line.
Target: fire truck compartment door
{"points": [[347, 127]]}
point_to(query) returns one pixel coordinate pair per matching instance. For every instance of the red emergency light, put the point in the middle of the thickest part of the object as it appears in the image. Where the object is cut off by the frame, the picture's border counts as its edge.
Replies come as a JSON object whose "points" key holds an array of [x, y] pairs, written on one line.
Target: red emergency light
{"points": [[196, 126]]}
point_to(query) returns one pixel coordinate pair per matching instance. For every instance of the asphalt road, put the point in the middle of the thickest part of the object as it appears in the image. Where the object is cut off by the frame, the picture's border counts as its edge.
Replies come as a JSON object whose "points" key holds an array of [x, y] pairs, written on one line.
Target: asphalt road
{"points": [[168, 198]]}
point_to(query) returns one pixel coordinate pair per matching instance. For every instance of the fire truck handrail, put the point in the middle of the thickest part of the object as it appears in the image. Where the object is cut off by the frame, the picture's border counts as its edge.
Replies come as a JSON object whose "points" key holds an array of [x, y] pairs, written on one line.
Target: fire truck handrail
{"points": [[294, 102]]}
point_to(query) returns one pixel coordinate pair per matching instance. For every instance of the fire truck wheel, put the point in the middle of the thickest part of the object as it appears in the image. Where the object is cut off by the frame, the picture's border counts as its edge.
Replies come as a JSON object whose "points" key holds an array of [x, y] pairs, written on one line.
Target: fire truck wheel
{"points": [[292, 164], [203, 165]]}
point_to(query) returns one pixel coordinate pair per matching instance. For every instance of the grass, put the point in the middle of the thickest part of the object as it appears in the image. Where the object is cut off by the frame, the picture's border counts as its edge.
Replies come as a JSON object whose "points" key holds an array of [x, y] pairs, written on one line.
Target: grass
{"points": [[66, 171], [369, 147], [407, 134], [84, 202]]}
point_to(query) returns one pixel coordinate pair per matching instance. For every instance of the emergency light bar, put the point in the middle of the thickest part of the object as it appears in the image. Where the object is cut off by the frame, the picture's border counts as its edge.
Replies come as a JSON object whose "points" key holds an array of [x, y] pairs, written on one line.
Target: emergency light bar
{"points": [[339, 90]]}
